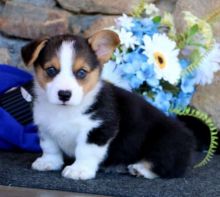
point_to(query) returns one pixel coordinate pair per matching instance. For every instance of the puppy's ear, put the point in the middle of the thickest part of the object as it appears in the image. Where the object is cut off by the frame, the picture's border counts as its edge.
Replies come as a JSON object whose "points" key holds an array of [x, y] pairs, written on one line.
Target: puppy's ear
{"points": [[104, 43], [31, 51]]}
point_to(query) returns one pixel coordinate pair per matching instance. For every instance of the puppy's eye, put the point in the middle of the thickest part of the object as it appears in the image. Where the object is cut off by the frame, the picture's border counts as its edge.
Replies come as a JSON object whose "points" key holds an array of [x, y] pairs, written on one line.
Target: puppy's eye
{"points": [[81, 74], [52, 71]]}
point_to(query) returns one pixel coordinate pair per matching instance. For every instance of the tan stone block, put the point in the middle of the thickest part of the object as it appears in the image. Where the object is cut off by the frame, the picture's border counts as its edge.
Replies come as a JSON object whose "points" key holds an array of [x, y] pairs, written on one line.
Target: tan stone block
{"points": [[4, 56], [28, 21], [101, 6], [99, 24]]}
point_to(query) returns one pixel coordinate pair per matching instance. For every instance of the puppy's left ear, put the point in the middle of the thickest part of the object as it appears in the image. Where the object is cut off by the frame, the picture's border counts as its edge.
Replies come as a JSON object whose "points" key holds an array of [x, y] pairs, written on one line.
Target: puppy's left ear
{"points": [[31, 51], [104, 43]]}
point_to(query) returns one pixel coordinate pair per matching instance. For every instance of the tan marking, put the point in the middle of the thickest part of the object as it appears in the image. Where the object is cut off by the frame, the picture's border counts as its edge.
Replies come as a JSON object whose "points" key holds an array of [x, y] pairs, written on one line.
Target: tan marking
{"points": [[80, 63], [36, 52], [53, 62], [92, 75], [146, 164], [90, 81], [42, 76]]}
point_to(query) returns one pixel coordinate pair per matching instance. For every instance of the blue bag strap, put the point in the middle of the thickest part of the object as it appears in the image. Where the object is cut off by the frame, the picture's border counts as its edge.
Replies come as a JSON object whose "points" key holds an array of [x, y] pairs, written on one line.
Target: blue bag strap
{"points": [[12, 77]]}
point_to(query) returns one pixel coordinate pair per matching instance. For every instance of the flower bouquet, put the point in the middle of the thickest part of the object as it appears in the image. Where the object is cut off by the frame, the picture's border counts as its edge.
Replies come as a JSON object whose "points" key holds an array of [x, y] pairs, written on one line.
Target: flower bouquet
{"points": [[165, 66]]}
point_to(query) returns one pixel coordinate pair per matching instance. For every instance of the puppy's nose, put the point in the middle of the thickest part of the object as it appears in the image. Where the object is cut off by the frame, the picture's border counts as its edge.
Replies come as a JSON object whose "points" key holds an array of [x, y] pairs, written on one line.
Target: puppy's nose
{"points": [[64, 95]]}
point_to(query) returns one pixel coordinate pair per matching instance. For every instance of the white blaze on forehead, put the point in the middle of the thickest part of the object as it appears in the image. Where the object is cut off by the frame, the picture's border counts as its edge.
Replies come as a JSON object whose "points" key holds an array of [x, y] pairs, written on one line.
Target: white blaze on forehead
{"points": [[65, 79], [66, 56]]}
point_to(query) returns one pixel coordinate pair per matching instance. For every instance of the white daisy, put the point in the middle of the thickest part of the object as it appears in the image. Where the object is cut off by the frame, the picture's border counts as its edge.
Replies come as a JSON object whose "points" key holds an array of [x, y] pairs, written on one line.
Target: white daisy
{"points": [[209, 65], [127, 39], [125, 22], [151, 10], [162, 53]]}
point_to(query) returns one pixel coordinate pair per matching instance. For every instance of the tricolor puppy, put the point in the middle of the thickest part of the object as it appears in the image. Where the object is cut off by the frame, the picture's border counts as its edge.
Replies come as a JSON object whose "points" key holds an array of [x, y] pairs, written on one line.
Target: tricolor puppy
{"points": [[93, 121]]}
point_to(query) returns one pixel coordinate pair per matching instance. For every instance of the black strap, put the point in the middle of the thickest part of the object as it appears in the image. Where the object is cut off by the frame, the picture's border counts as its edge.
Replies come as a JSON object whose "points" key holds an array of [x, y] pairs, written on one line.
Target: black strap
{"points": [[15, 103]]}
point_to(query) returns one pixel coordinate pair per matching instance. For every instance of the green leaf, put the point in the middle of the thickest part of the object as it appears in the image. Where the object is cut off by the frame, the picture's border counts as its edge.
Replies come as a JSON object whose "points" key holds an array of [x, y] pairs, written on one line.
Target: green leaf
{"points": [[181, 40], [169, 87], [190, 33], [138, 11], [193, 30], [195, 55], [113, 57], [157, 19]]}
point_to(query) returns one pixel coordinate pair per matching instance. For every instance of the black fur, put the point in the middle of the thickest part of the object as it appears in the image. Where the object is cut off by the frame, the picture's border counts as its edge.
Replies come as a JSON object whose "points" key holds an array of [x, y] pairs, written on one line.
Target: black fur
{"points": [[81, 46], [138, 131], [104, 109]]}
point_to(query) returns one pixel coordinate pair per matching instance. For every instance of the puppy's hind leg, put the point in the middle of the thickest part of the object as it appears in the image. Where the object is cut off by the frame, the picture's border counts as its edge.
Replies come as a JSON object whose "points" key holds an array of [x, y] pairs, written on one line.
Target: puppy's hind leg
{"points": [[142, 168]]}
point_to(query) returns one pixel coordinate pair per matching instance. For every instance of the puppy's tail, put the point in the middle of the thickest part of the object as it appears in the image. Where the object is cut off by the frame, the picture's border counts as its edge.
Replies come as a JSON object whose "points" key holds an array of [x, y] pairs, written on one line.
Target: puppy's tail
{"points": [[201, 131]]}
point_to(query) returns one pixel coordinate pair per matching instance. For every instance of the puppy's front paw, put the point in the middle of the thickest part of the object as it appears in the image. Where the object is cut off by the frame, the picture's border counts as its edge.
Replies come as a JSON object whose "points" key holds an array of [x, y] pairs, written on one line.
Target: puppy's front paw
{"points": [[78, 172], [47, 163]]}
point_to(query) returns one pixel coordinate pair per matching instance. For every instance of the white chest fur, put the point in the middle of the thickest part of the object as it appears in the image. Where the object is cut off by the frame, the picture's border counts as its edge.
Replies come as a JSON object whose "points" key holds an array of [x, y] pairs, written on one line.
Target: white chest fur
{"points": [[67, 126]]}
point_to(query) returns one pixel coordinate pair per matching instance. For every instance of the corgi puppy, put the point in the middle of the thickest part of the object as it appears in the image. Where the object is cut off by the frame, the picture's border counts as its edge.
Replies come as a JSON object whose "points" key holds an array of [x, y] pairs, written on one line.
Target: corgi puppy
{"points": [[97, 123]]}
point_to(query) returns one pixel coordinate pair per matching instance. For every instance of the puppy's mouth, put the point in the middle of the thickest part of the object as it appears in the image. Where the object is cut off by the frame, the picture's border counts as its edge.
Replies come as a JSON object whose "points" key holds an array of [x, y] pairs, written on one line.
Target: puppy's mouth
{"points": [[61, 103], [64, 104]]}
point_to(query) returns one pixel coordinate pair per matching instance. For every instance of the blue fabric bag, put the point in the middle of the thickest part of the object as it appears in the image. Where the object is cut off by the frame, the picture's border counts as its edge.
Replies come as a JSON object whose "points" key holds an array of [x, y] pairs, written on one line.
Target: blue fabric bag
{"points": [[14, 135]]}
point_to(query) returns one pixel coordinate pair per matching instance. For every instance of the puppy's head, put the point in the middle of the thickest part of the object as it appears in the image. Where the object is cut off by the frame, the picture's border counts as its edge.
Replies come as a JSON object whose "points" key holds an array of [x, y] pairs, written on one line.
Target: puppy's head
{"points": [[67, 67]]}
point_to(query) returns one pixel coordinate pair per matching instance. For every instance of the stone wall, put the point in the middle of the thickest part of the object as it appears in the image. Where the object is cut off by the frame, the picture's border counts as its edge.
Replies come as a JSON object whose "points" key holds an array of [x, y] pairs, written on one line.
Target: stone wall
{"points": [[23, 20]]}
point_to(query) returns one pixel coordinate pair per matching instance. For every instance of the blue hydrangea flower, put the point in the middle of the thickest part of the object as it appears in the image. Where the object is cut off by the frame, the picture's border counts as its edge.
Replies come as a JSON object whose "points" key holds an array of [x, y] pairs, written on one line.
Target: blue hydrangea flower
{"points": [[163, 101], [135, 82], [142, 27], [134, 56], [188, 83], [149, 74], [150, 27], [128, 68], [182, 100], [184, 63]]}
